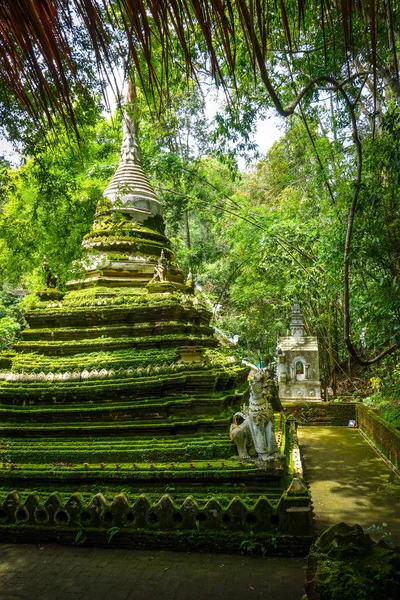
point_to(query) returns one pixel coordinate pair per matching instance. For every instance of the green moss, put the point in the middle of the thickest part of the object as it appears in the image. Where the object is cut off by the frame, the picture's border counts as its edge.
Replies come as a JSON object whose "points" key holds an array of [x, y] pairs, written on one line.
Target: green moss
{"points": [[30, 362], [125, 358], [64, 346], [152, 410], [106, 296], [347, 565], [131, 387]]}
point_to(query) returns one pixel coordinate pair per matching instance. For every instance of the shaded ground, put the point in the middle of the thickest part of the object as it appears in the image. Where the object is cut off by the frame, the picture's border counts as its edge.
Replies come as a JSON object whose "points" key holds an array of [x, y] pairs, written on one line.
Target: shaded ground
{"points": [[60, 573], [348, 480]]}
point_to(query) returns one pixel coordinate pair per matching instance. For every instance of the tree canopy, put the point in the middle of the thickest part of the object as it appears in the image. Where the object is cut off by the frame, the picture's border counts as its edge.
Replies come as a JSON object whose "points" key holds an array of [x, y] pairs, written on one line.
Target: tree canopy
{"points": [[42, 43], [318, 218]]}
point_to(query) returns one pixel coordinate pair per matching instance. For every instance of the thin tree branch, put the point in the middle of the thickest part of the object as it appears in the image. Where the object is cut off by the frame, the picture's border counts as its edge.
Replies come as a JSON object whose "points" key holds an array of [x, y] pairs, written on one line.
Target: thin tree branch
{"points": [[349, 234]]}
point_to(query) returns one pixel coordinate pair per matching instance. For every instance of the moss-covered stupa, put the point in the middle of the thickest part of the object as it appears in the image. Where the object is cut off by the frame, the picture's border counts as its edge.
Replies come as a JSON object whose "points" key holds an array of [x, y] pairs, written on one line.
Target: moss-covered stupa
{"points": [[116, 402]]}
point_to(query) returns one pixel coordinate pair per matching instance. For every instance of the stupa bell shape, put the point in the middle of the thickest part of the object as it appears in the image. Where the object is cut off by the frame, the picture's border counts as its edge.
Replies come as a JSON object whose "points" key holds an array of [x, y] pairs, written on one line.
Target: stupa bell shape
{"points": [[128, 237], [129, 190]]}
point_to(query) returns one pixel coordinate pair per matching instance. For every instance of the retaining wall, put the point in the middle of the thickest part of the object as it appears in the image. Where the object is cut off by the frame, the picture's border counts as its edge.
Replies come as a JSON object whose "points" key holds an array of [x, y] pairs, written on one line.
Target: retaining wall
{"points": [[282, 528], [321, 413], [385, 436]]}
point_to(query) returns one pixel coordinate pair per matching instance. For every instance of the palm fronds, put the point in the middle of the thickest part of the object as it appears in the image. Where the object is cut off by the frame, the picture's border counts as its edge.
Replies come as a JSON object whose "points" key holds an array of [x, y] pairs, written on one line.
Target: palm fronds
{"points": [[37, 59]]}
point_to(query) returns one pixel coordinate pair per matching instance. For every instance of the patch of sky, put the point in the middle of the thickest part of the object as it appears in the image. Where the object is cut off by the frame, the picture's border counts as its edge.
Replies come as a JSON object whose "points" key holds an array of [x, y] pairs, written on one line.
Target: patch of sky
{"points": [[268, 128]]}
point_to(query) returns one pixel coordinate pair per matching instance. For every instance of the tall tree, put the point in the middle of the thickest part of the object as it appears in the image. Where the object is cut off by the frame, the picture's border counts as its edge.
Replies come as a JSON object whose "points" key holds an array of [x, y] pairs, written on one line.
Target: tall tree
{"points": [[289, 53]]}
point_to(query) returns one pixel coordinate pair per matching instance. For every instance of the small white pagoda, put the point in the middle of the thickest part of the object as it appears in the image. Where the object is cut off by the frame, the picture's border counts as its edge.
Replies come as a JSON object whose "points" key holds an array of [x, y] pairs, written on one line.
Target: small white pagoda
{"points": [[298, 362]]}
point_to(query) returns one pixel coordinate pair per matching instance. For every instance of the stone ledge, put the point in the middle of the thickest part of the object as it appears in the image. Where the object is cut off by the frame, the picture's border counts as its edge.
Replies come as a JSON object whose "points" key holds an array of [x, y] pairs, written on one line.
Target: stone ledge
{"points": [[263, 515], [321, 413], [385, 436]]}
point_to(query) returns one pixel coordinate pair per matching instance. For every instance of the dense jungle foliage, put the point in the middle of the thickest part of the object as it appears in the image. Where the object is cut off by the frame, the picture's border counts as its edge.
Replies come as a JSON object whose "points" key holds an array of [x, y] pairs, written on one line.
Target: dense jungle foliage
{"points": [[317, 218]]}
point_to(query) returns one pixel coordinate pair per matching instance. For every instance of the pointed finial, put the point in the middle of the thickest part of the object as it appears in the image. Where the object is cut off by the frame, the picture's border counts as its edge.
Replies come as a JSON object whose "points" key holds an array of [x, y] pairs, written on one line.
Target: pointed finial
{"points": [[130, 150]]}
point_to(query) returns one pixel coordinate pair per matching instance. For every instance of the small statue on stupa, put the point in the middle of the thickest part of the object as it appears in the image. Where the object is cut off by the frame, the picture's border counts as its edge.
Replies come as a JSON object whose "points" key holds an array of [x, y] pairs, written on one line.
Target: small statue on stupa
{"points": [[50, 279], [190, 281], [161, 269]]}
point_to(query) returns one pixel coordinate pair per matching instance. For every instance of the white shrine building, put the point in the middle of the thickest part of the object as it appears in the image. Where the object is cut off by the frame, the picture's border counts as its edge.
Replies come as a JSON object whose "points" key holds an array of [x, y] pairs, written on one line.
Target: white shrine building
{"points": [[298, 362]]}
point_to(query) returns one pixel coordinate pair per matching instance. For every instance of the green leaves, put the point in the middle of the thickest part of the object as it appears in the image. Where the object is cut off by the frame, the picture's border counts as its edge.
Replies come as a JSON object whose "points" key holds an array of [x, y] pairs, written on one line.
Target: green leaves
{"points": [[8, 331], [49, 202]]}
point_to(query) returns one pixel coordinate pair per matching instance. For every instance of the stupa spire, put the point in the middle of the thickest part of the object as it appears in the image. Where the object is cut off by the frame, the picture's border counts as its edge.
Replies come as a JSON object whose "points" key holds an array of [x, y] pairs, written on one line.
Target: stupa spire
{"points": [[129, 189], [127, 246], [297, 324], [130, 150]]}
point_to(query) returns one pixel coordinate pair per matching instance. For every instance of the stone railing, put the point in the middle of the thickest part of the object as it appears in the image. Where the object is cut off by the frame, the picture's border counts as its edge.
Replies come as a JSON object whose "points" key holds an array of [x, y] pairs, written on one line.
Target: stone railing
{"points": [[292, 515], [385, 437], [150, 370]]}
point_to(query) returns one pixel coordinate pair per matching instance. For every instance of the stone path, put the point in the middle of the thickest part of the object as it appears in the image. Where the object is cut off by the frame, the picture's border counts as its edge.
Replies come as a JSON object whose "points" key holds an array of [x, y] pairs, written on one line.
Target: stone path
{"points": [[349, 481], [65, 573]]}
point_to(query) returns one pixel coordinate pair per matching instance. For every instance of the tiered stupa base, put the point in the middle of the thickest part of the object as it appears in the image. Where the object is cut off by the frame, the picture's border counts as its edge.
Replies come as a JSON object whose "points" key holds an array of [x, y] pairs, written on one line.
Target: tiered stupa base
{"points": [[104, 424]]}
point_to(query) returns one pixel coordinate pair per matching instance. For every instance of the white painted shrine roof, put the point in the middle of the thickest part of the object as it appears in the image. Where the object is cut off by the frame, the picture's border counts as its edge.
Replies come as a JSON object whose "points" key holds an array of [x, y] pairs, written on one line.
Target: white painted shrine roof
{"points": [[290, 342]]}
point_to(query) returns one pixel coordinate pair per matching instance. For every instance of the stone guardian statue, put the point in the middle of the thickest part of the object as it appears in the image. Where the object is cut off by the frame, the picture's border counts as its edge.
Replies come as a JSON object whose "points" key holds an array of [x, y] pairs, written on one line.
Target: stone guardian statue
{"points": [[261, 416], [253, 429]]}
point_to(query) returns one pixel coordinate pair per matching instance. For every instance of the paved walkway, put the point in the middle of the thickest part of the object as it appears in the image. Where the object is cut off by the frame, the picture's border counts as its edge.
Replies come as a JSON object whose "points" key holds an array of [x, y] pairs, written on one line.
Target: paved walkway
{"points": [[54, 572], [349, 481]]}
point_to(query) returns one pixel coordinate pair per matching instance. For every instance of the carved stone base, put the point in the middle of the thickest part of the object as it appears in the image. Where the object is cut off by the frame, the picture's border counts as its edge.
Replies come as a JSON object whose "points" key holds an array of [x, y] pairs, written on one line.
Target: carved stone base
{"points": [[297, 391], [271, 461]]}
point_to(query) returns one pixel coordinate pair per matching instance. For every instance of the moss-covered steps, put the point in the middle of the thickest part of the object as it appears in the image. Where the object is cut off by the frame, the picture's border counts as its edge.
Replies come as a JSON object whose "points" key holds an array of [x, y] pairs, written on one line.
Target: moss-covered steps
{"points": [[116, 386], [209, 502], [48, 450], [188, 407], [133, 330]]}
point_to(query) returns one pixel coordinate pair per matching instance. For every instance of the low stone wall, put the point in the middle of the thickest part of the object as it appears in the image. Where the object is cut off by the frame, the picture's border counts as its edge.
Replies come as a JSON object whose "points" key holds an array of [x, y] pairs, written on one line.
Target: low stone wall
{"points": [[321, 413], [384, 436], [276, 528], [264, 515]]}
